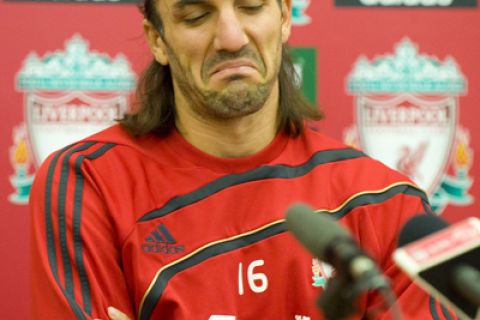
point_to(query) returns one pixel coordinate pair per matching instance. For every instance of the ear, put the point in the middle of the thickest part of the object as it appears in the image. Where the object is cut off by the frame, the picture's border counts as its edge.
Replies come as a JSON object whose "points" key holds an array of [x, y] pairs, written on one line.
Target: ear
{"points": [[286, 19], [155, 42]]}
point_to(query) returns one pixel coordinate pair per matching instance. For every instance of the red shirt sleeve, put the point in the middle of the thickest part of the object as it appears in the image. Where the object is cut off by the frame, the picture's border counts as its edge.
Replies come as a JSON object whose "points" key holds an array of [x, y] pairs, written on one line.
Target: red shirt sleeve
{"points": [[75, 267], [384, 224]]}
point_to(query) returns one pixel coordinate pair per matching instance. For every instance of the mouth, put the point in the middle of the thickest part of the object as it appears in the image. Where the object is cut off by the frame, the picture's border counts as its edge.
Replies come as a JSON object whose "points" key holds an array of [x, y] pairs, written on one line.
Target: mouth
{"points": [[233, 67]]}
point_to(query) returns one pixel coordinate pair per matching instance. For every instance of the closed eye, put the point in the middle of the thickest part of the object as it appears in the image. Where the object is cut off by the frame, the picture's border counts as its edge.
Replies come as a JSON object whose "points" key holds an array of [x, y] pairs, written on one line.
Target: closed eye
{"points": [[252, 9], [196, 19]]}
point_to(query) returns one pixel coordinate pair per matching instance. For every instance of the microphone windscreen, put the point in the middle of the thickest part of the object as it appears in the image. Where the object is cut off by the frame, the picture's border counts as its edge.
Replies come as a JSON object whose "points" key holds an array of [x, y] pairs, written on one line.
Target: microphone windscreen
{"points": [[419, 227], [316, 231]]}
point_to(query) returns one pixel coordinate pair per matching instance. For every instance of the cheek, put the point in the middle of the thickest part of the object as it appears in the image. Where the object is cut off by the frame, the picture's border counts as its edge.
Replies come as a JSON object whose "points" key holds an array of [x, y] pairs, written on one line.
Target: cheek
{"points": [[183, 65], [267, 37], [271, 50], [193, 58]]}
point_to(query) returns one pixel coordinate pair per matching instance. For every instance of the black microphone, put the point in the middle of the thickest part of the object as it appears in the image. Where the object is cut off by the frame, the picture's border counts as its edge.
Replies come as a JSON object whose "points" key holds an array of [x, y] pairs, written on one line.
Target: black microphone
{"points": [[419, 227], [444, 260], [356, 272]]}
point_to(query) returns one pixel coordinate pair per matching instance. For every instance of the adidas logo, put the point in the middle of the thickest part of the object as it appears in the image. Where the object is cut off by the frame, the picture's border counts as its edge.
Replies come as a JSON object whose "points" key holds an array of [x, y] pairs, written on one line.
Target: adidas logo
{"points": [[160, 240]]}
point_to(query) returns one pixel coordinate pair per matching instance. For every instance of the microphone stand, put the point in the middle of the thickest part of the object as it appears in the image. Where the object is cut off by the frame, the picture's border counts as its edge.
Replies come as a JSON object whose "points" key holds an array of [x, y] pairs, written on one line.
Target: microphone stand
{"points": [[338, 301]]}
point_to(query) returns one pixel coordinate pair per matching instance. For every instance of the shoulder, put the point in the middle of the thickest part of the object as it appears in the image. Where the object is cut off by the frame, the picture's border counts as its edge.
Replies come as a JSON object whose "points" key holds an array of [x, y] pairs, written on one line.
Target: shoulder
{"points": [[348, 161], [112, 145], [82, 156], [351, 174], [115, 134]]}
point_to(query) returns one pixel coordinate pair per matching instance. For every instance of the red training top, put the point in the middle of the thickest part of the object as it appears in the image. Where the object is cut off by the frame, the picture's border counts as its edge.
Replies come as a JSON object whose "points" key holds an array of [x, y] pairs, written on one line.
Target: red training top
{"points": [[161, 230]]}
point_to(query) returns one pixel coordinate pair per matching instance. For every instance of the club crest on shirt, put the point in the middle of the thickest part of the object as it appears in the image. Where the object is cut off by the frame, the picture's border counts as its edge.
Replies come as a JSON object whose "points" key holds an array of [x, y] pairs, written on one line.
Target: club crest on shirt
{"points": [[322, 272], [406, 110], [68, 95]]}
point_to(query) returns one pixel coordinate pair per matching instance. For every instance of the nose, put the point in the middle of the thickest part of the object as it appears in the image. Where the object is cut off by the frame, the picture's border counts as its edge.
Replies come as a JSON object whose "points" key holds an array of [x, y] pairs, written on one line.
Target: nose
{"points": [[230, 34]]}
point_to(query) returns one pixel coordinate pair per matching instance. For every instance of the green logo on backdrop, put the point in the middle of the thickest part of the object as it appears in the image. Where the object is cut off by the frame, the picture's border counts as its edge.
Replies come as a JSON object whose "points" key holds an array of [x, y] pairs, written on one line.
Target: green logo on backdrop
{"points": [[305, 63]]}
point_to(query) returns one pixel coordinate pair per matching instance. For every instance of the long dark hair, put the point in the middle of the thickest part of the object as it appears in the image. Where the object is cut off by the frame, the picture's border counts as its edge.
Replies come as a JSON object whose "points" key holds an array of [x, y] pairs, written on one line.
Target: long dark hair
{"points": [[154, 105]]}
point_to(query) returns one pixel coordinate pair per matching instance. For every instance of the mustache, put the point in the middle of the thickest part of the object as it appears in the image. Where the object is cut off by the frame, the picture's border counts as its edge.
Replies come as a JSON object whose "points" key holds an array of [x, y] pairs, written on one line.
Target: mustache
{"points": [[222, 56]]}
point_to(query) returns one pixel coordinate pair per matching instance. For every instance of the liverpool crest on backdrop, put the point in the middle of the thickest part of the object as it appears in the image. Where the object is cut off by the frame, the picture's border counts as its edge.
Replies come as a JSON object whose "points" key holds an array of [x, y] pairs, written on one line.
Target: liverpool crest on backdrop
{"points": [[68, 95], [407, 116]]}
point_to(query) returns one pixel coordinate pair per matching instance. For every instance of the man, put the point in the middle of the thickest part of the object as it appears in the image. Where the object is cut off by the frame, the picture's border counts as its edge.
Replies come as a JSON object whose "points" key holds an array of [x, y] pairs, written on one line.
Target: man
{"points": [[177, 213]]}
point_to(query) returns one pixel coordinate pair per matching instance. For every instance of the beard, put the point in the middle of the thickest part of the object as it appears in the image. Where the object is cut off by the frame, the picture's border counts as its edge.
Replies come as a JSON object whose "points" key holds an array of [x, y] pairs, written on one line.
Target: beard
{"points": [[234, 102], [239, 97]]}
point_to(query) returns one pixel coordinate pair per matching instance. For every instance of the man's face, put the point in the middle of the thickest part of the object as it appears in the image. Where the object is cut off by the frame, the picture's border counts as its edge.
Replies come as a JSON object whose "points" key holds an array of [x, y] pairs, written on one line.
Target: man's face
{"points": [[224, 54]]}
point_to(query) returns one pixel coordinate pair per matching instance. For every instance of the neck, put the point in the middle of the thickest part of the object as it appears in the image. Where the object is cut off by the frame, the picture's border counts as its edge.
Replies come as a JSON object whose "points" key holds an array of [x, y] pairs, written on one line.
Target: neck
{"points": [[230, 138]]}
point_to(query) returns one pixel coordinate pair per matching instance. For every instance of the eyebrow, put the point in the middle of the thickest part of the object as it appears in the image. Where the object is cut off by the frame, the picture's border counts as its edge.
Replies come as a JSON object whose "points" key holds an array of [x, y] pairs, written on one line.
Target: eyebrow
{"points": [[180, 4]]}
